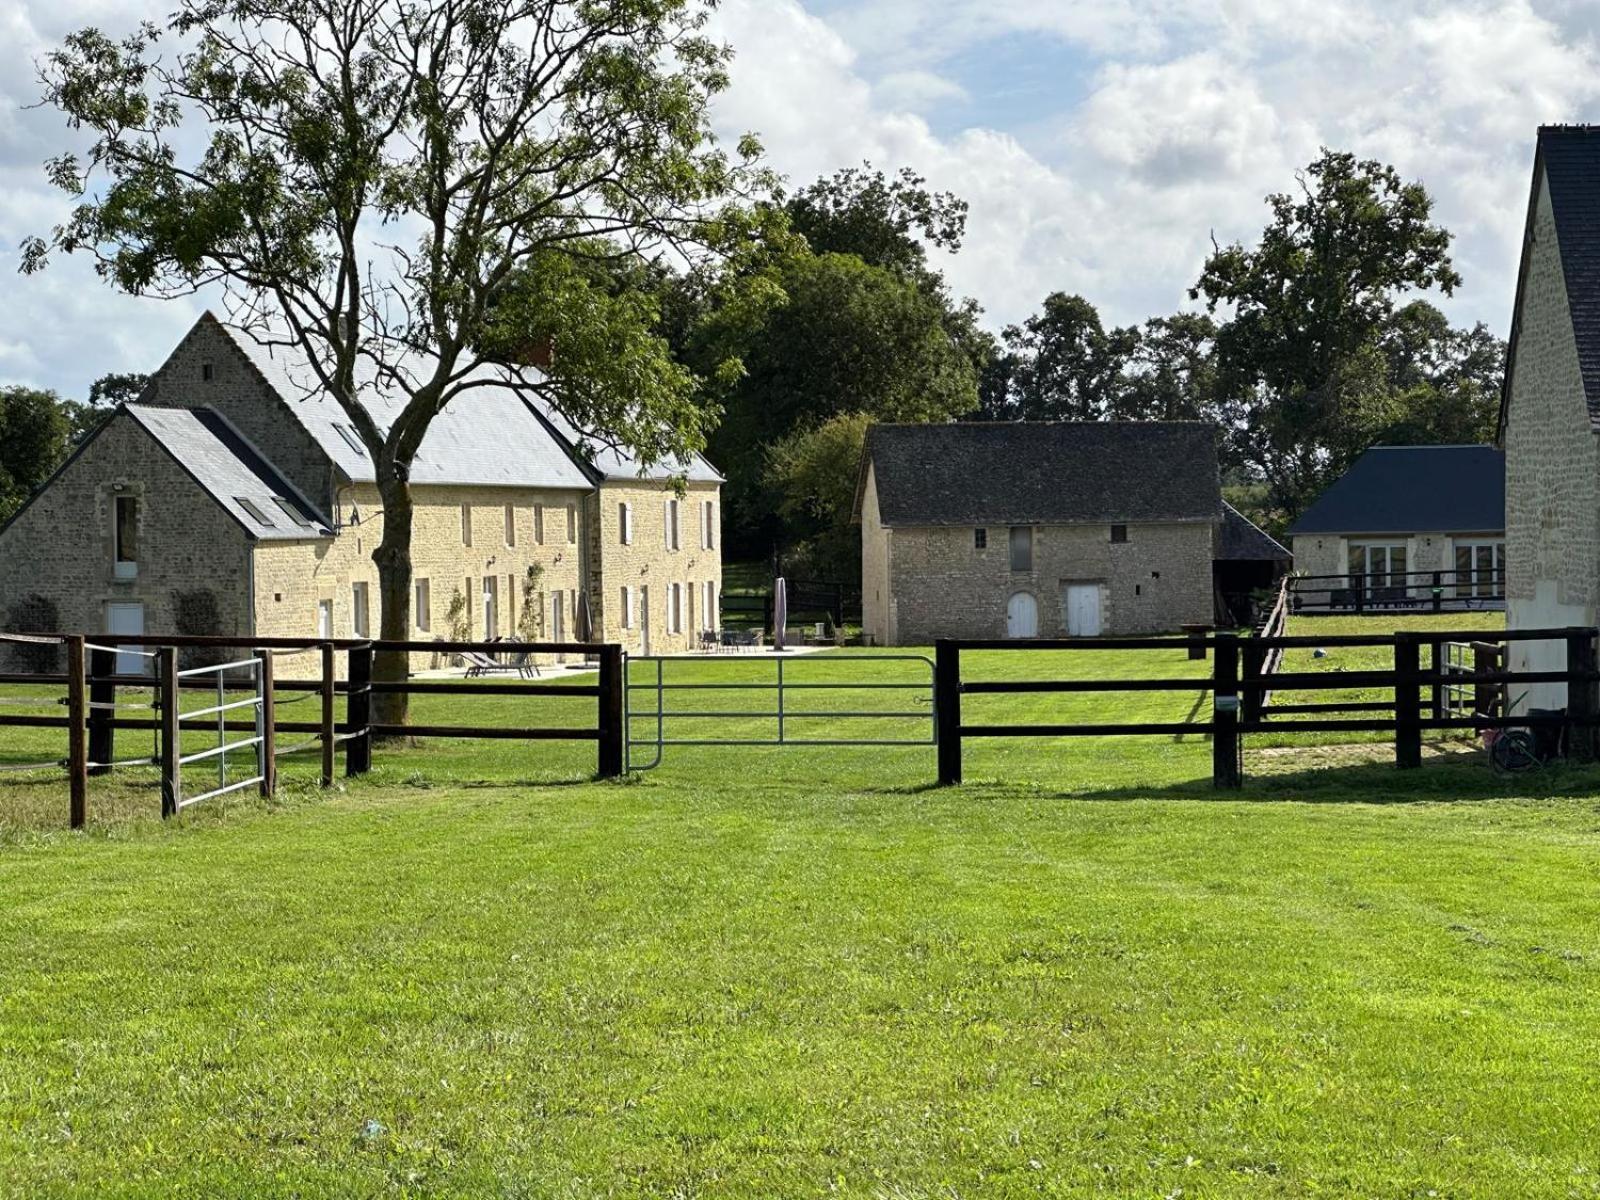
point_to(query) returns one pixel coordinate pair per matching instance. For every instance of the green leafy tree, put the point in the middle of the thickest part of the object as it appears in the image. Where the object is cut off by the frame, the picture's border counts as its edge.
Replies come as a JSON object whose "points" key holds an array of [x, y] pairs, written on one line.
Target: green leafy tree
{"points": [[813, 472], [886, 222], [1448, 379], [1301, 377], [367, 180], [35, 435], [1170, 374], [848, 338], [1061, 364]]}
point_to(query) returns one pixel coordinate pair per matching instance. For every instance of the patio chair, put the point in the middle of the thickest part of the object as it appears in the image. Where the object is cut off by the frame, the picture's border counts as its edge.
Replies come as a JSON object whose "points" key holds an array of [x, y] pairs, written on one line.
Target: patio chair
{"points": [[521, 661]]}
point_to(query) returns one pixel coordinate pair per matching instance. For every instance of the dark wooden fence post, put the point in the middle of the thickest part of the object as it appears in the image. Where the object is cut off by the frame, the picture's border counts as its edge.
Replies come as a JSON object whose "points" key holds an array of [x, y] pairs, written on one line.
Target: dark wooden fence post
{"points": [[1407, 701], [1583, 698], [613, 729], [358, 711], [171, 746], [269, 725], [1225, 772], [102, 695], [947, 709], [77, 734], [1438, 593], [1251, 696], [329, 741]]}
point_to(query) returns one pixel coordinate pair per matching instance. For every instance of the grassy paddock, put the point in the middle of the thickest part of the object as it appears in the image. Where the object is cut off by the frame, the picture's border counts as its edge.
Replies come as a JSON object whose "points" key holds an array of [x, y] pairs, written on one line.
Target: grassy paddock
{"points": [[796, 972]]}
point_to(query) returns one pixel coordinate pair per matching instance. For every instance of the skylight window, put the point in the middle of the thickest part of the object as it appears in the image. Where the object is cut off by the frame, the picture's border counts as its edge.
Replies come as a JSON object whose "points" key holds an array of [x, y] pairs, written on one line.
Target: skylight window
{"points": [[255, 511], [349, 435], [291, 512]]}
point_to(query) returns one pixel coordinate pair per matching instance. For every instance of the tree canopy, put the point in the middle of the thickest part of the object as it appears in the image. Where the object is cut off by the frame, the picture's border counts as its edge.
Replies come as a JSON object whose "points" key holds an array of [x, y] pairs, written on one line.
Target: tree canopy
{"points": [[368, 180]]}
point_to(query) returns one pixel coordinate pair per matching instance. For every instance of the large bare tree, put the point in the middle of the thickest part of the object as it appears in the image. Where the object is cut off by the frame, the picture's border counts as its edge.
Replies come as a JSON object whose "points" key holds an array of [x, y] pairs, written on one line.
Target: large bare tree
{"points": [[409, 193]]}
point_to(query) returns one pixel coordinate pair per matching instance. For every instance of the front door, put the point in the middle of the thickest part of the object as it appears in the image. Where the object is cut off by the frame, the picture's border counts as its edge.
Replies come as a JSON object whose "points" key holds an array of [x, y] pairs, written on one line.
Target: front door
{"points": [[128, 619], [1082, 602], [1022, 616]]}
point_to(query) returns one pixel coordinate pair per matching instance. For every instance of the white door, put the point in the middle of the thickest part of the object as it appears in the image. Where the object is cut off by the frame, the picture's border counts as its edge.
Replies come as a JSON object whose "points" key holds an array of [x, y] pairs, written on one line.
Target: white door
{"points": [[491, 607], [1082, 602], [1022, 616], [644, 616], [127, 618]]}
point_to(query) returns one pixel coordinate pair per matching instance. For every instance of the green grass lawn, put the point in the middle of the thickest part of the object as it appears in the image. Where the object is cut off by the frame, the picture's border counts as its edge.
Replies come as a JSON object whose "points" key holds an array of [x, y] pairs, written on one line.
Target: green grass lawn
{"points": [[766, 972]]}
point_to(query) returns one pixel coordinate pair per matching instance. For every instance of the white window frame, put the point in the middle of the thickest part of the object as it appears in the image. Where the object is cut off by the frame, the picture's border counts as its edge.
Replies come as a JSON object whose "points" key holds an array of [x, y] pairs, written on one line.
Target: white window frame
{"points": [[710, 615], [572, 524], [511, 525], [124, 568], [673, 531], [708, 525], [360, 609], [466, 524], [675, 608], [625, 523], [1477, 582], [538, 524], [422, 593], [627, 606]]}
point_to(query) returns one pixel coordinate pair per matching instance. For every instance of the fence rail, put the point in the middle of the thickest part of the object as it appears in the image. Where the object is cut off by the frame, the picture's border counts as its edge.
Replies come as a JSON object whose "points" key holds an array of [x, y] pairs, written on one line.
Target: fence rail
{"points": [[1238, 697], [95, 714], [1466, 590]]}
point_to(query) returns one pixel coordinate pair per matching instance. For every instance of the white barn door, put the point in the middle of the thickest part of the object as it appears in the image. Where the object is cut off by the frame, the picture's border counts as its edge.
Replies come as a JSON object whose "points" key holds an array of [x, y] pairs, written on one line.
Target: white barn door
{"points": [[1022, 616], [1082, 604]]}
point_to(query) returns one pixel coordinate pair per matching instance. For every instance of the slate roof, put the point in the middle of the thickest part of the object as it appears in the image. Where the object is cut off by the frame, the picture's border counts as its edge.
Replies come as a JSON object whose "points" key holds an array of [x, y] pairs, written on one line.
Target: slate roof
{"points": [[1022, 473], [607, 462], [1414, 489], [227, 466], [1242, 540], [485, 436], [1571, 158]]}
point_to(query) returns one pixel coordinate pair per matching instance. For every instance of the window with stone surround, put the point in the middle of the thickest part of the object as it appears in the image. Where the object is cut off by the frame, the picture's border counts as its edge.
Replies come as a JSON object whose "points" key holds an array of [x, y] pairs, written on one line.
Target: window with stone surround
{"points": [[1022, 548], [125, 537]]}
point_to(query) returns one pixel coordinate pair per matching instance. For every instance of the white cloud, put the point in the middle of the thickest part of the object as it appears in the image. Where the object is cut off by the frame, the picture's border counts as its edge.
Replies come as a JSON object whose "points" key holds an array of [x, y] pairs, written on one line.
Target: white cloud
{"points": [[1171, 121]]}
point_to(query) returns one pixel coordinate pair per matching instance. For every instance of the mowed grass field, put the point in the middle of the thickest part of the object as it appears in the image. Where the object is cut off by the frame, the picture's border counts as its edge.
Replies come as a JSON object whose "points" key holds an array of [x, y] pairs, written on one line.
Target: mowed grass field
{"points": [[763, 972]]}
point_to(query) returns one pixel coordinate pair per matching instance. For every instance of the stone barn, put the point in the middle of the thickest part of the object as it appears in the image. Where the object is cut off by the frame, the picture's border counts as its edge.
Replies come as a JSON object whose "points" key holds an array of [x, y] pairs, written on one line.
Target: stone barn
{"points": [[1020, 530]]}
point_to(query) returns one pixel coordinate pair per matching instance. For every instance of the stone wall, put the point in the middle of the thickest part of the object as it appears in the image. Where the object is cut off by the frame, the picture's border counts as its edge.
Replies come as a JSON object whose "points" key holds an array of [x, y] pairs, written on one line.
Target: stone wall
{"points": [[942, 585], [60, 546], [237, 391], [293, 578], [648, 567], [1552, 468]]}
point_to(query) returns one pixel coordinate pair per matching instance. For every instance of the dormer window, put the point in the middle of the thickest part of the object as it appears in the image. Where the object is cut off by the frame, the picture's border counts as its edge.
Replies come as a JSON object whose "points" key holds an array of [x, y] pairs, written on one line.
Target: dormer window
{"points": [[125, 536]]}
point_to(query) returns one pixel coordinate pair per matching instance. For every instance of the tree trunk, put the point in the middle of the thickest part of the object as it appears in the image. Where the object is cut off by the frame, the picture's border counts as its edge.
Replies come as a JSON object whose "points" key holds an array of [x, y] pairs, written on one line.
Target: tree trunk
{"points": [[393, 558]]}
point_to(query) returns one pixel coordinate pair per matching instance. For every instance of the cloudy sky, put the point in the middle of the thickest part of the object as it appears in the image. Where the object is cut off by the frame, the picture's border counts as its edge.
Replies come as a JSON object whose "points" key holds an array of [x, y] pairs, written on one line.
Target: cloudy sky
{"points": [[1100, 143]]}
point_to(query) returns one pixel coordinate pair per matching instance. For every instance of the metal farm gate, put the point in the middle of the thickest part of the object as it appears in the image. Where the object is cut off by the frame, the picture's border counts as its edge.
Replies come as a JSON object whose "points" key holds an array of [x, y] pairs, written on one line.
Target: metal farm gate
{"points": [[795, 715]]}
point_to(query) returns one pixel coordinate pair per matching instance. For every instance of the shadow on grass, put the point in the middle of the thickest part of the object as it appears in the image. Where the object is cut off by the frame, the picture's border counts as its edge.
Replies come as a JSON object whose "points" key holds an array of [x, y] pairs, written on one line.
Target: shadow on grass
{"points": [[1363, 774]]}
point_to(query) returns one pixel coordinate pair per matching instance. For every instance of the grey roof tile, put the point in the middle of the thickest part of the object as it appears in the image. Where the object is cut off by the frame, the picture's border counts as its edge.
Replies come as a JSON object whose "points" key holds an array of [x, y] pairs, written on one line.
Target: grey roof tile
{"points": [[1570, 155], [1241, 539], [1019, 473], [224, 463], [1414, 489], [485, 436]]}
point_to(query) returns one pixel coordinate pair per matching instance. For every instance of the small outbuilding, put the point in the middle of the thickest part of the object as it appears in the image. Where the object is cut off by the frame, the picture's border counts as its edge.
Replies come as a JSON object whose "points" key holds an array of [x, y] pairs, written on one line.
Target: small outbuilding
{"points": [[1022, 529], [1402, 521]]}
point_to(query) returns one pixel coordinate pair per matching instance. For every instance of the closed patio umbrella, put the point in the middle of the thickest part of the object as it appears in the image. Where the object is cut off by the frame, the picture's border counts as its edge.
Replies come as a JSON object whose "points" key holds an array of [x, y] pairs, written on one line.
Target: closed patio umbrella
{"points": [[584, 620], [780, 610]]}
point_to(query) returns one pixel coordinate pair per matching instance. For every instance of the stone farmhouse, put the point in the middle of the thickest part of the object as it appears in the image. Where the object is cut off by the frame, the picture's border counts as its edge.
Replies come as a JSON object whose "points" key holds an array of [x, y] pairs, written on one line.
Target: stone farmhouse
{"points": [[1401, 513], [234, 498], [1550, 405], [1020, 530]]}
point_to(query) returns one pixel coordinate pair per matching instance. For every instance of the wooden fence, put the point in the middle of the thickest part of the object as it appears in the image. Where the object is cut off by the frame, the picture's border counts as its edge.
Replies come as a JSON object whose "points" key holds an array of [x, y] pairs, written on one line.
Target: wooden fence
{"points": [[95, 714], [1238, 696], [1398, 591]]}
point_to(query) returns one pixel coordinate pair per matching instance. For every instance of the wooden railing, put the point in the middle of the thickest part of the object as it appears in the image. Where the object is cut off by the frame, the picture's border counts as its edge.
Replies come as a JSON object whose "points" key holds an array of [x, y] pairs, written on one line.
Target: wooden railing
{"points": [[95, 714]]}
